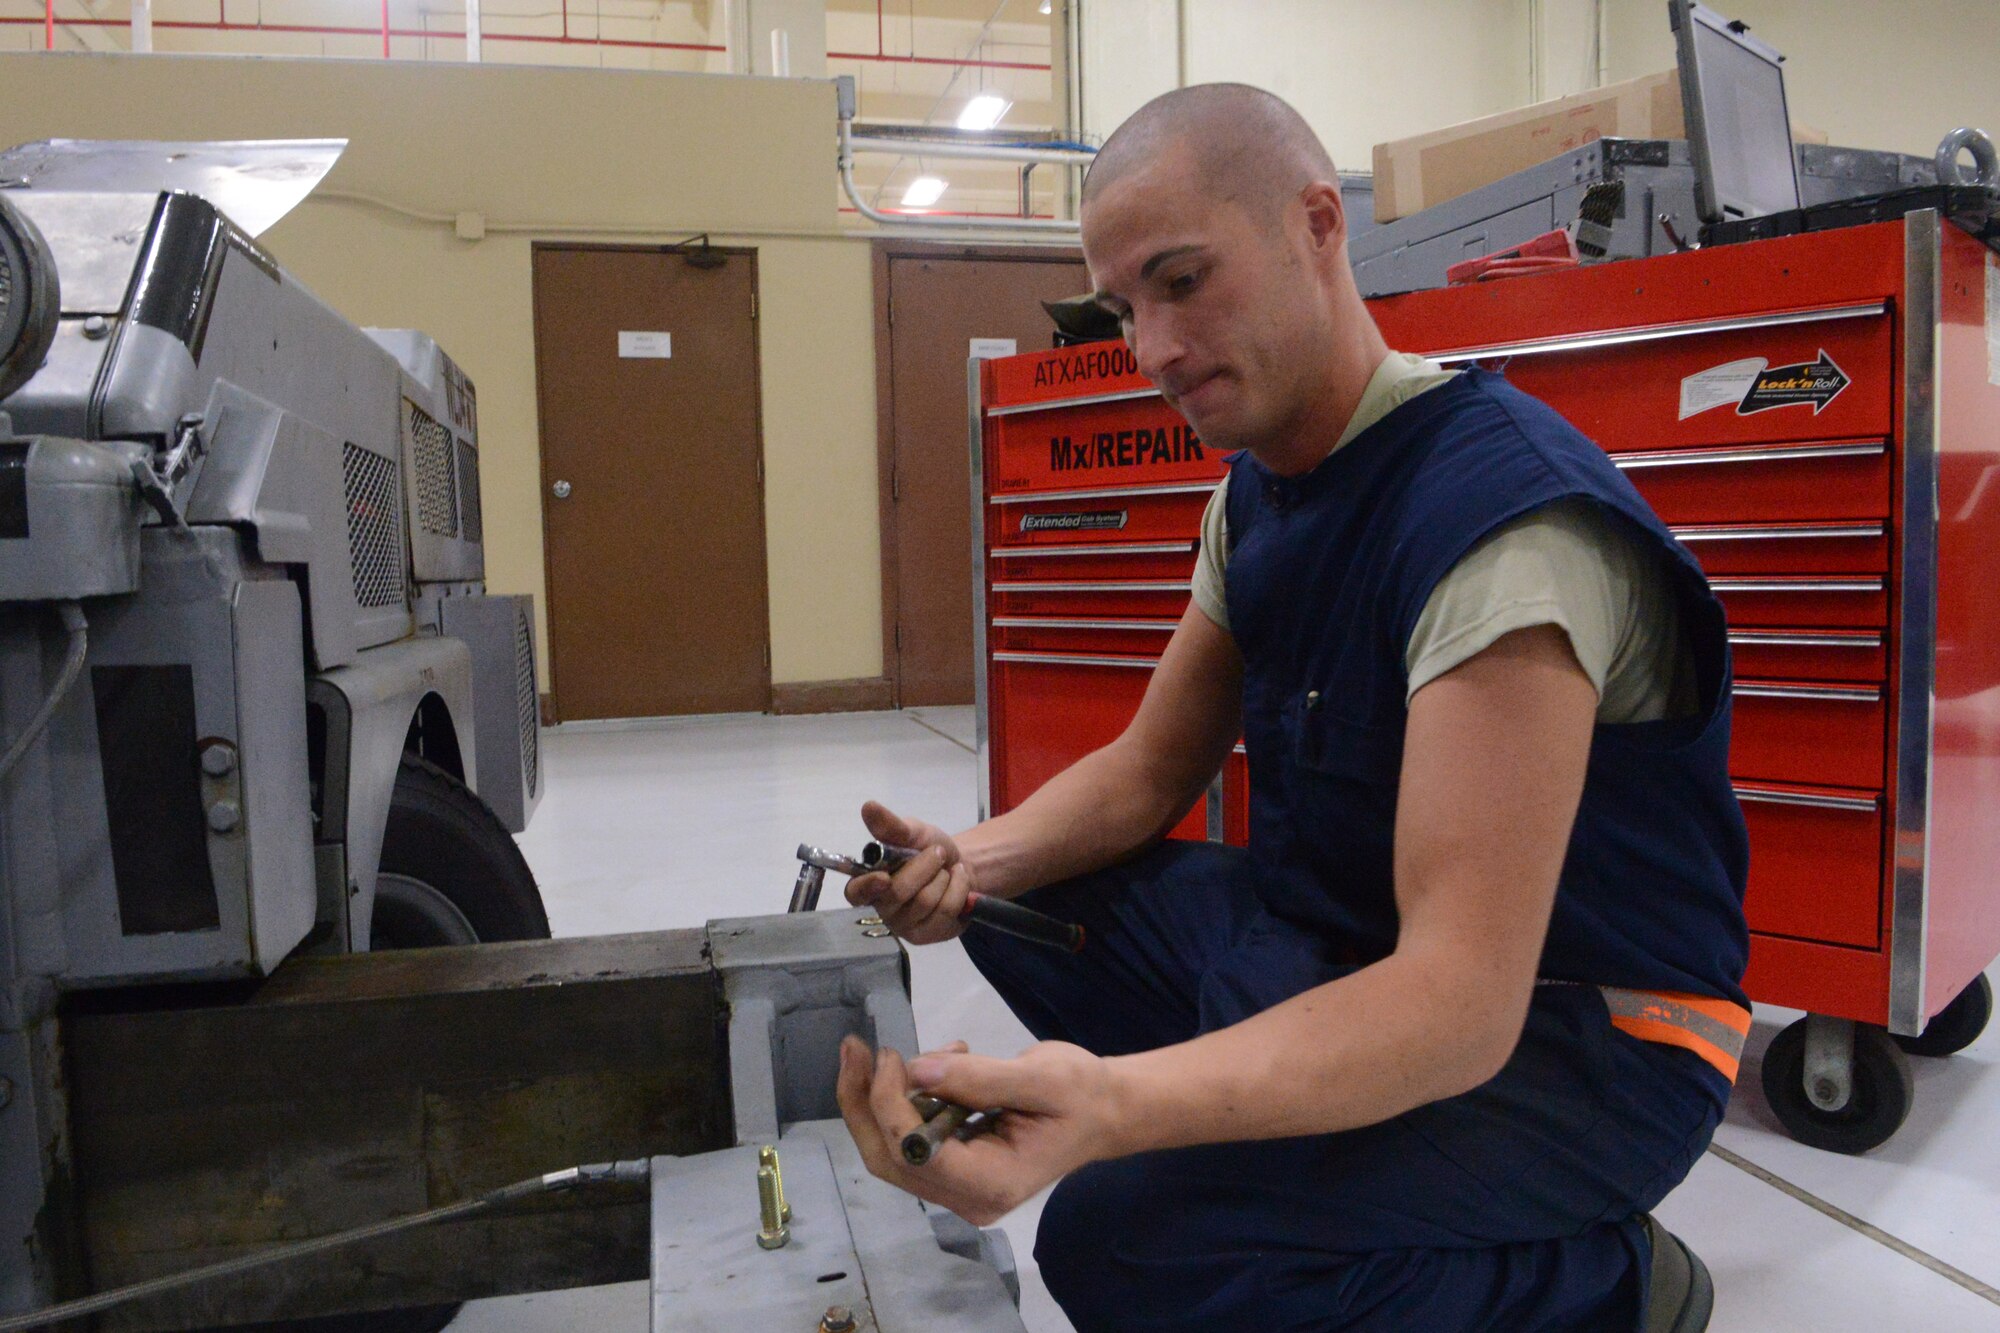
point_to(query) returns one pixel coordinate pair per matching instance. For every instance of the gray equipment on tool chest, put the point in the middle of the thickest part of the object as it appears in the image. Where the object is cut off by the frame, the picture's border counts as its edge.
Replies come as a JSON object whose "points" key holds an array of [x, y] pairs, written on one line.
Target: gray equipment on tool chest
{"points": [[1654, 211], [241, 596]]}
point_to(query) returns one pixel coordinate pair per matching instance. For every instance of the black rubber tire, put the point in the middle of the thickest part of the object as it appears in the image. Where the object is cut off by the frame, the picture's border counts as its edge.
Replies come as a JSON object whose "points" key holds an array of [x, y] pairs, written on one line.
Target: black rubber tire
{"points": [[443, 835], [1877, 1105], [1957, 1025]]}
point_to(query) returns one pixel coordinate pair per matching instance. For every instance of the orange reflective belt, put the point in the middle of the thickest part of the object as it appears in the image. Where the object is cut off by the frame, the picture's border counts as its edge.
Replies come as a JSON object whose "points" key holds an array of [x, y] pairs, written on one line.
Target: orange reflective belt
{"points": [[1713, 1029]]}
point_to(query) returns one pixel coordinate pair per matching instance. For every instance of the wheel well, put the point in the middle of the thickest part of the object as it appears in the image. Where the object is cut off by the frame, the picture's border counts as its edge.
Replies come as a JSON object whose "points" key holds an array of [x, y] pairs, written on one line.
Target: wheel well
{"points": [[434, 737]]}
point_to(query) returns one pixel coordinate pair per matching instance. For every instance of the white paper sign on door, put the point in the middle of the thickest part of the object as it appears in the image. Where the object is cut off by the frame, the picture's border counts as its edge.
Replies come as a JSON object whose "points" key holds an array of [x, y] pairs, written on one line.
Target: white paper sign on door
{"points": [[985, 349], [651, 345]]}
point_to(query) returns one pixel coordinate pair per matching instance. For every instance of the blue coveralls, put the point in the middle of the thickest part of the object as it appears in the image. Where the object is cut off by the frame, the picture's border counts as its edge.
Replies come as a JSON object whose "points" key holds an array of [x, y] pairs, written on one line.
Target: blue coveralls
{"points": [[1509, 1207]]}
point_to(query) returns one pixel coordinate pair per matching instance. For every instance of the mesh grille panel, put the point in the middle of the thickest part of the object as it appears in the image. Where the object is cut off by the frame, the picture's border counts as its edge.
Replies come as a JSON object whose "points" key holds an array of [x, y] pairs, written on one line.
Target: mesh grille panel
{"points": [[468, 493], [530, 703], [430, 454], [374, 526]]}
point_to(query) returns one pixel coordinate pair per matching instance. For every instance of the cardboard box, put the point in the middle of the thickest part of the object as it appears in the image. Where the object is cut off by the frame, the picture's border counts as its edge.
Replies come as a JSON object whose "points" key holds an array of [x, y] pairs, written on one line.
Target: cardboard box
{"points": [[1427, 169]]}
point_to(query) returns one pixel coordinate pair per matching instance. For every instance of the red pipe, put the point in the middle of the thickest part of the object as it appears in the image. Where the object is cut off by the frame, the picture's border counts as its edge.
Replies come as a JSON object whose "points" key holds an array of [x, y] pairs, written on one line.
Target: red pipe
{"points": [[385, 29], [324, 31]]}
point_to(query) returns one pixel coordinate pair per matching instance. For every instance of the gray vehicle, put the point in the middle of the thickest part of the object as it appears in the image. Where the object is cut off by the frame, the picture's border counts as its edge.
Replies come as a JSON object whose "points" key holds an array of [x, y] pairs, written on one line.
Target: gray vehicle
{"points": [[254, 697]]}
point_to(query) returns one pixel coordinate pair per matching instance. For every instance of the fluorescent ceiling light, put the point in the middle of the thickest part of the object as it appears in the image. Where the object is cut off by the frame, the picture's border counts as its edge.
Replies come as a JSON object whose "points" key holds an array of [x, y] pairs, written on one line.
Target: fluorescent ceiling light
{"points": [[923, 192], [983, 112]]}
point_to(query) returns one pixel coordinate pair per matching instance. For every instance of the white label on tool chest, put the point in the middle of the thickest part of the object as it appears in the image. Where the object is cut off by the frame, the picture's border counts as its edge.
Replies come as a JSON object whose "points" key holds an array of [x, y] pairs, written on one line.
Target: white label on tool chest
{"points": [[650, 345], [1092, 520], [1719, 386], [986, 349], [1993, 319]]}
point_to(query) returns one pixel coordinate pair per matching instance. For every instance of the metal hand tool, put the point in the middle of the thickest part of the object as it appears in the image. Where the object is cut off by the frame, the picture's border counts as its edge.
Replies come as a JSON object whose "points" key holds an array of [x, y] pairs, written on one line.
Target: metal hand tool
{"points": [[942, 1120], [994, 913]]}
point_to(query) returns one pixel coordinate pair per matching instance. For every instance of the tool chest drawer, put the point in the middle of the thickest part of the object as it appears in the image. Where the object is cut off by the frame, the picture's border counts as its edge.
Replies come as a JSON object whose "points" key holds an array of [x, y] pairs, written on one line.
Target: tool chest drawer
{"points": [[1093, 599], [1803, 599], [1087, 562], [1815, 863], [1796, 653], [1703, 385], [1057, 707], [1089, 518], [1767, 484], [1126, 635], [1791, 731], [1858, 546]]}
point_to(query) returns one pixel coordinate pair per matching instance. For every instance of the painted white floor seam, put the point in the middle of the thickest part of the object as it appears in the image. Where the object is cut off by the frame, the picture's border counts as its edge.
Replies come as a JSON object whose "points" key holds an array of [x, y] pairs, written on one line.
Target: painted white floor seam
{"points": [[670, 823]]}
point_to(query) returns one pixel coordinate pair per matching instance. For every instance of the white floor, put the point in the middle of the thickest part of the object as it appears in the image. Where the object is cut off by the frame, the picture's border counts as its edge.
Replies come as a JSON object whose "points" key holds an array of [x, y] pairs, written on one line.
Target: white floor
{"points": [[671, 824]]}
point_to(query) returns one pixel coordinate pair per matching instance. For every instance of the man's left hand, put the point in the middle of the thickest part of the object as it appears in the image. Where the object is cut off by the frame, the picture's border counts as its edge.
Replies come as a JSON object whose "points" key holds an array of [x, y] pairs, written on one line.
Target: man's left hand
{"points": [[1059, 1115]]}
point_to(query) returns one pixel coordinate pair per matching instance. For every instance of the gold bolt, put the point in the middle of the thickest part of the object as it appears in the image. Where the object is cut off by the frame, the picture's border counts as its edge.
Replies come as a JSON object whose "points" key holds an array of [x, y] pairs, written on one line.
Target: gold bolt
{"points": [[770, 1210], [768, 1156]]}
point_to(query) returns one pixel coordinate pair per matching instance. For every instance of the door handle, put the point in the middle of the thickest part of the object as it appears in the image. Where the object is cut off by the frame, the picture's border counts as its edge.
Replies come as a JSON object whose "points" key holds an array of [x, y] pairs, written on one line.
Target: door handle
{"points": [[561, 490]]}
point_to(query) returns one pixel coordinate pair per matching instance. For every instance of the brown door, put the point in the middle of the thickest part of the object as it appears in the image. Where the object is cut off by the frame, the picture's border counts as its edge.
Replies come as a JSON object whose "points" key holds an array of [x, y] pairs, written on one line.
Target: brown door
{"points": [[652, 482], [937, 305]]}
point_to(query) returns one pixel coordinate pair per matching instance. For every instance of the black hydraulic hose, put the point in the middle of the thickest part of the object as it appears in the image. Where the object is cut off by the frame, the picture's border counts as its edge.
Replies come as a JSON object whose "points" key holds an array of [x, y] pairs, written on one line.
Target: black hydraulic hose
{"points": [[79, 644], [634, 1171]]}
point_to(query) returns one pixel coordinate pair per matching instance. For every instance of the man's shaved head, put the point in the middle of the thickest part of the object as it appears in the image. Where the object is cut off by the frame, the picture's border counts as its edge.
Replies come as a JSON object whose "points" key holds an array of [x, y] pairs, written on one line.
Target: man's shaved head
{"points": [[1242, 144]]}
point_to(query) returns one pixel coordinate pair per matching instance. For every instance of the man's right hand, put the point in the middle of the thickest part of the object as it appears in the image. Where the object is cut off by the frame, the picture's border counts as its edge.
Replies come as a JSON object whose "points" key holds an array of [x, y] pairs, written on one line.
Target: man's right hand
{"points": [[924, 901]]}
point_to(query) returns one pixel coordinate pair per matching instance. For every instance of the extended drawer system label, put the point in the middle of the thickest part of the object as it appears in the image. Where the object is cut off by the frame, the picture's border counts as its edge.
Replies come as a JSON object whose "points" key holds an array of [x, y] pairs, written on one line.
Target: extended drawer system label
{"points": [[1090, 520], [1754, 385]]}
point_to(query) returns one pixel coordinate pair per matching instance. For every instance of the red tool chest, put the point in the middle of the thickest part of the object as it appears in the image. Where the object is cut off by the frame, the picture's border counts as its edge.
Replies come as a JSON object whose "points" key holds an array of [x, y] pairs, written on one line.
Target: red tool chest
{"points": [[1818, 419]]}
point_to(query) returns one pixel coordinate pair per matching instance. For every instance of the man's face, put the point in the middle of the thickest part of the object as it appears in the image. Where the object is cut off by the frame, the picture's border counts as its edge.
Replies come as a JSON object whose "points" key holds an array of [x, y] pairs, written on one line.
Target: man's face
{"points": [[1225, 313]]}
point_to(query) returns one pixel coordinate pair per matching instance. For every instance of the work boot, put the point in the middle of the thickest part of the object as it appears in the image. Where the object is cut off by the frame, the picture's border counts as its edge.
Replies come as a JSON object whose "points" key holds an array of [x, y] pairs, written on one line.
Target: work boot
{"points": [[1681, 1295]]}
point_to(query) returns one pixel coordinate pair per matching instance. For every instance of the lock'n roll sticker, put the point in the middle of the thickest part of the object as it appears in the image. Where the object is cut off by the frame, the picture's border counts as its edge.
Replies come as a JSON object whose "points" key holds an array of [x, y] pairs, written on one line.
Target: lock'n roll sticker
{"points": [[1755, 385]]}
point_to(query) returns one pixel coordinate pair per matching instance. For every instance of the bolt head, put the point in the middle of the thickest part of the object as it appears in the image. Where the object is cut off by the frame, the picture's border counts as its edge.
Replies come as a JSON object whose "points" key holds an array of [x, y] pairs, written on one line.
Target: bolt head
{"points": [[224, 816], [218, 760], [837, 1319], [95, 327]]}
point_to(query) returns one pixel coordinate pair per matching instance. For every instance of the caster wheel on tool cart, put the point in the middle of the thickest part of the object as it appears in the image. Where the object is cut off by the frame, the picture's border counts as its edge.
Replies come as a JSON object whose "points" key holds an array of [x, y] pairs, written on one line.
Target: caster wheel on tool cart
{"points": [[1958, 1024], [450, 874], [1877, 1105]]}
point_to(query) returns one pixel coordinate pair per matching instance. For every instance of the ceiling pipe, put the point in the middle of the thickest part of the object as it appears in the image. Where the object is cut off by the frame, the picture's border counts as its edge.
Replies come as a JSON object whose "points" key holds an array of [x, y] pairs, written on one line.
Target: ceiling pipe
{"points": [[850, 143]]}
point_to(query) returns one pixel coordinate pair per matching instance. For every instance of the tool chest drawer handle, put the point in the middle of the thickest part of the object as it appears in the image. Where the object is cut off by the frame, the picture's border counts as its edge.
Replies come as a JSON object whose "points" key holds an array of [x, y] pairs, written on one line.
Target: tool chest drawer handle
{"points": [[1085, 400], [1102, 493], [1112, 548], [1764, 796], [1795, 585], [1860, 694], [1072, 622], [1077, 659], [1764, 638], [1766, 454], [1132, 585], [1717, 533], [1578, 342]]}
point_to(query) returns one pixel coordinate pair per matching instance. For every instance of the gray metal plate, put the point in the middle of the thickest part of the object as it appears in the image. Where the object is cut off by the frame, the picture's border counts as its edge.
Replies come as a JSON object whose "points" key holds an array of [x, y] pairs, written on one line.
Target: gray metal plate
{"points": [[253, 182], [855, 1241]]}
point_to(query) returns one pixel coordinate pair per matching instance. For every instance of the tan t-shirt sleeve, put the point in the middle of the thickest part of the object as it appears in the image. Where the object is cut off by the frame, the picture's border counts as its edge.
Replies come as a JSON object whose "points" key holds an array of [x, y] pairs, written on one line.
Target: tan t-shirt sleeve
{"points": [[1567, 564], [1212, 559]]}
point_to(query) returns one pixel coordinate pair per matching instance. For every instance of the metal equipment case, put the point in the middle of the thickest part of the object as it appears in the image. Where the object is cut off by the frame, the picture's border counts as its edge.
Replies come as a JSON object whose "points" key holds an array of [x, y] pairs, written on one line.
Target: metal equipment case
{"points": [[1817, 417]]}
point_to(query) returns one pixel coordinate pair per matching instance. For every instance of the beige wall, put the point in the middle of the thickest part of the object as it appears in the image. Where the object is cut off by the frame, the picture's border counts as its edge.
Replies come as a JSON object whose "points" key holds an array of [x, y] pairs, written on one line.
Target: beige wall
{"points": [[1358, 70], [555, 154]]}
